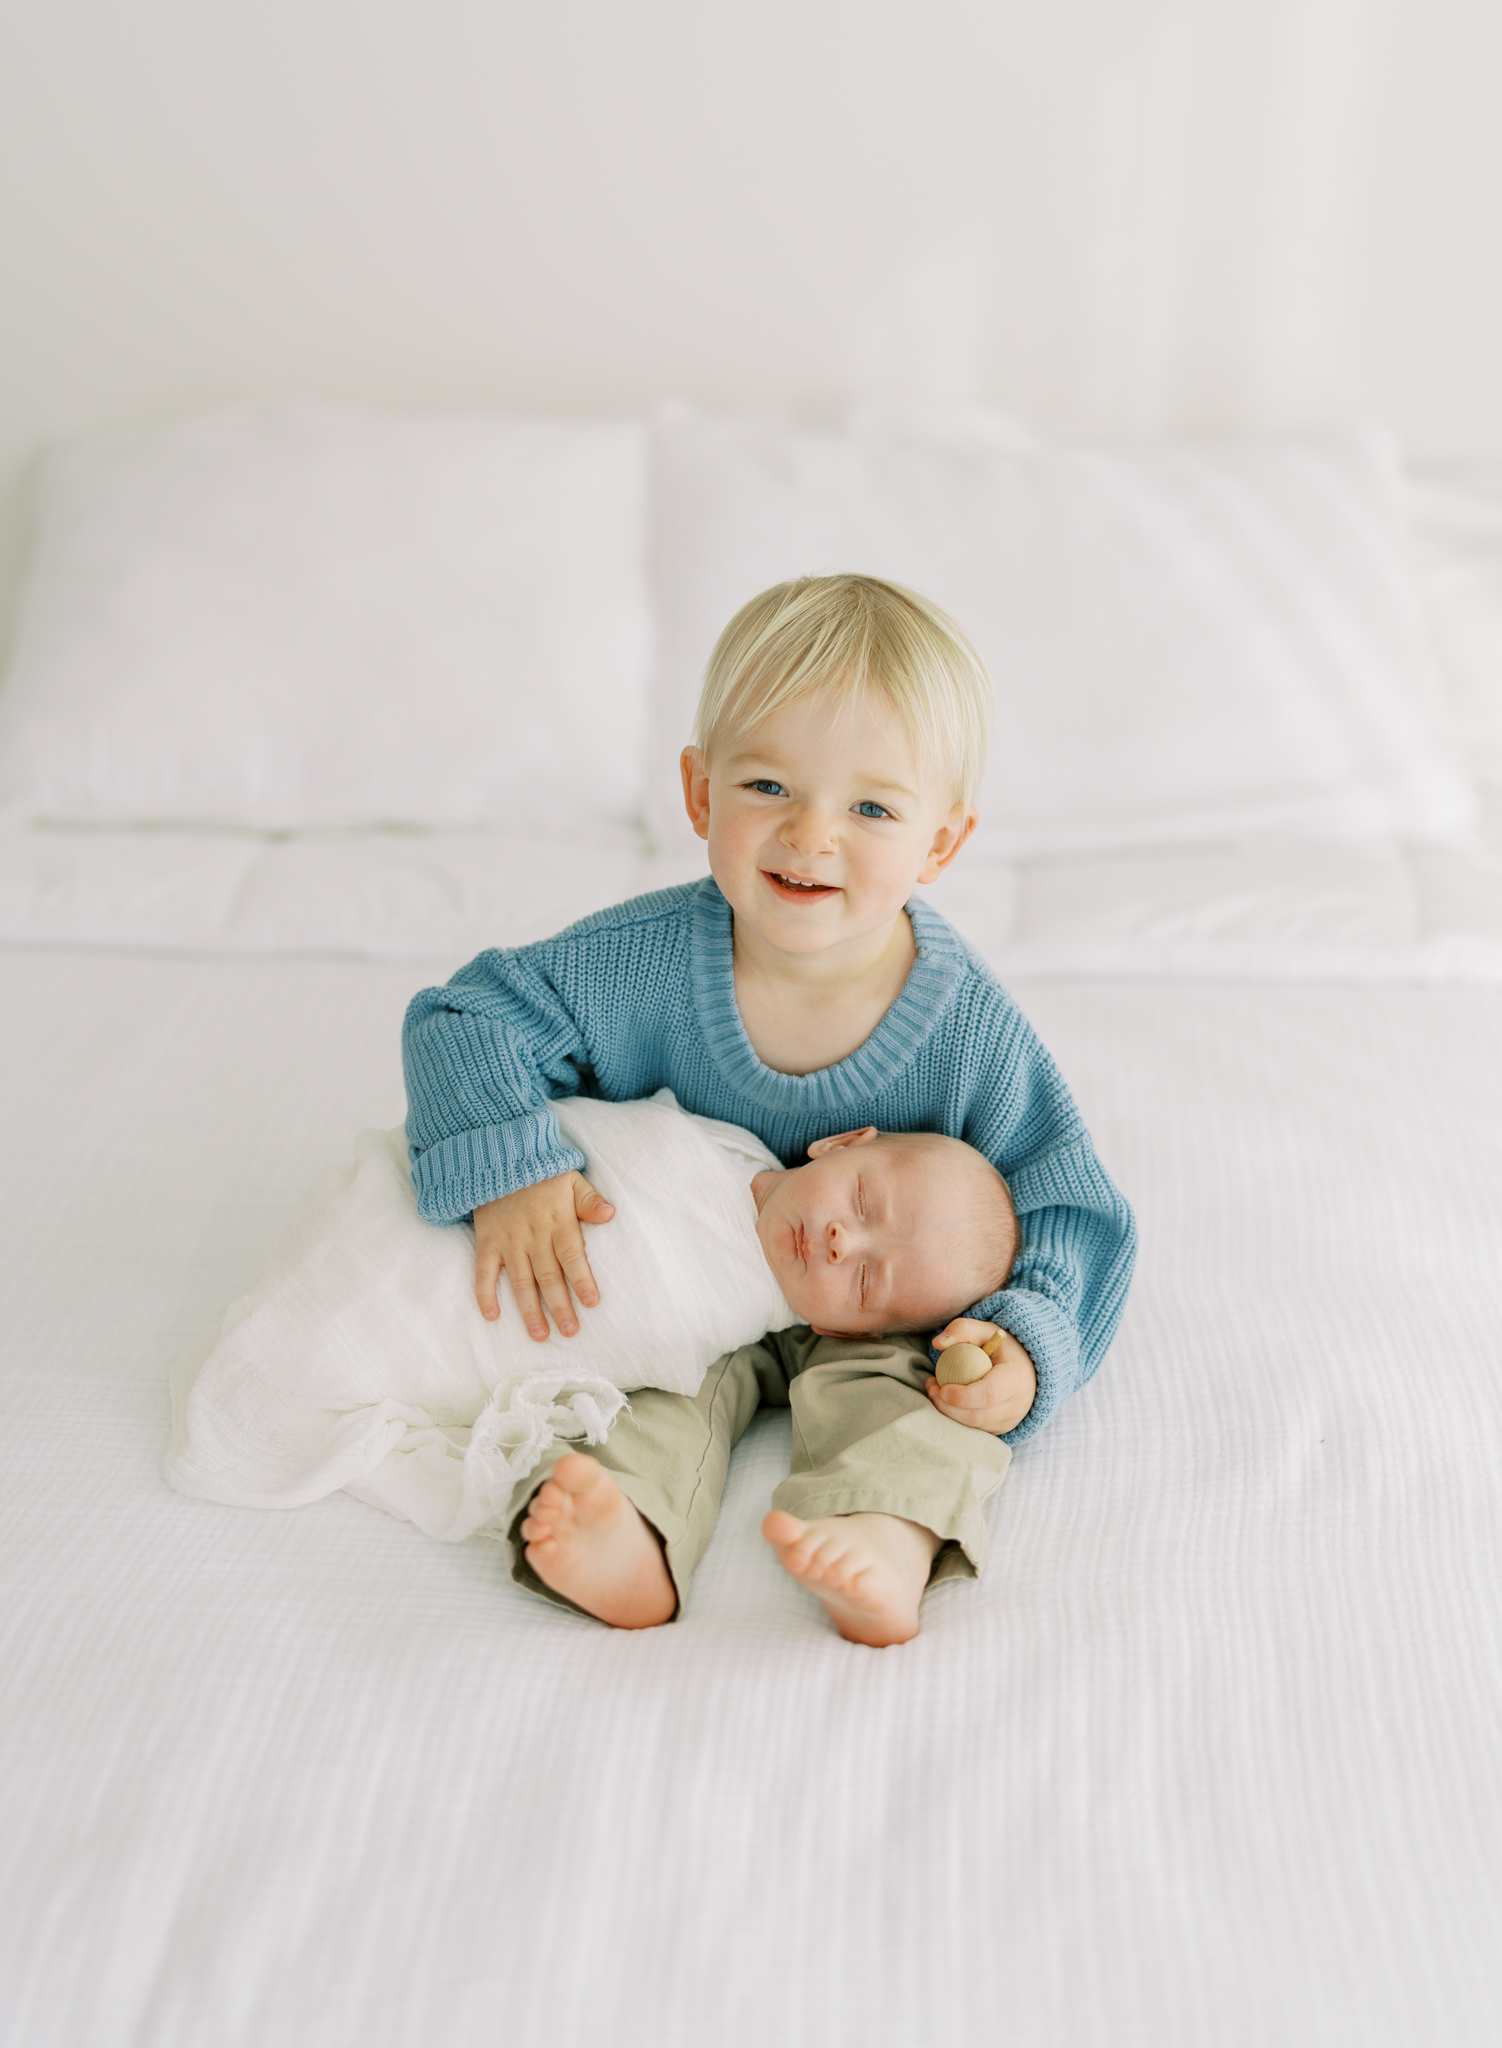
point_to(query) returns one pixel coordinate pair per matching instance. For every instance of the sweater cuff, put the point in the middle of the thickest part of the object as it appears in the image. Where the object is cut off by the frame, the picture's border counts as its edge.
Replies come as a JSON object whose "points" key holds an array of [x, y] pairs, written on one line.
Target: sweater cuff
{"points": [[455, 1176], [1051, 1341]]}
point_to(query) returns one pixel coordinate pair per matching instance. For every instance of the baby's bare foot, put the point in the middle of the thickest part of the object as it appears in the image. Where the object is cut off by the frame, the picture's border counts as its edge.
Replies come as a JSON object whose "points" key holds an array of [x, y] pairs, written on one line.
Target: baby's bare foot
{"points": [[869, 1570], [586, 1541]]}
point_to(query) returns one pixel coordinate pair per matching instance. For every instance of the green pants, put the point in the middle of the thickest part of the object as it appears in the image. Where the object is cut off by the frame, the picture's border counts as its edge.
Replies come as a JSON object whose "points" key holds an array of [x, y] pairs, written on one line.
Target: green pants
{"points": [[866, 1438]]}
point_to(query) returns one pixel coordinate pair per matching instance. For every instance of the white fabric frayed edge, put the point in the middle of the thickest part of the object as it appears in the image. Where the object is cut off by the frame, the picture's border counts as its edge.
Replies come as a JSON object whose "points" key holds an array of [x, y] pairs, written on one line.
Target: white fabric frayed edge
{"points": [[512, 1434]]}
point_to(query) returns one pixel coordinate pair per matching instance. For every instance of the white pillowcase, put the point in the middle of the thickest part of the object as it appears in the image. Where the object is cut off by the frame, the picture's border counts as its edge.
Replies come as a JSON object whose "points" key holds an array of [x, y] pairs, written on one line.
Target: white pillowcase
{"points": [[303, 617], [1457, 520], [1189, 644]]}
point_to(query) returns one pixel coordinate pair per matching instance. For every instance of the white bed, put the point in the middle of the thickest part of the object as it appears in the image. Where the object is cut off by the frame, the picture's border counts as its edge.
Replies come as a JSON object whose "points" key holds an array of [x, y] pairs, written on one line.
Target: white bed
{"points": [[1210, 1755]]}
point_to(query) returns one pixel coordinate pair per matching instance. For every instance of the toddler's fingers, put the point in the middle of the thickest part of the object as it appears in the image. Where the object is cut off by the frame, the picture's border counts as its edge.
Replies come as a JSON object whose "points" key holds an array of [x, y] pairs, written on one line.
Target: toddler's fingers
{"points": [[990, 1396], [555, 1296], [487, 1278], [590, 1206], [524, 1287], [991, 1421], [995, 1404], [978, 1394], [965, 1417], [571, 1253], [964, 1330]]}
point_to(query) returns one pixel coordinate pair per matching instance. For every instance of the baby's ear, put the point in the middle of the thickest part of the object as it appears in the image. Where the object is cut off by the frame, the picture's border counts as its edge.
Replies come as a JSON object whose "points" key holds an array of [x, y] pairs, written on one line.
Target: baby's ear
{"points": [[840, 1139]]}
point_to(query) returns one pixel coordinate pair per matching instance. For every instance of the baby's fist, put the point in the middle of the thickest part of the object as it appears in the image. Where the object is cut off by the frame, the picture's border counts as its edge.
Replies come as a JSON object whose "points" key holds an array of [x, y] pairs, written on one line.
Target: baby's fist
{"points": [[997, 1402]]}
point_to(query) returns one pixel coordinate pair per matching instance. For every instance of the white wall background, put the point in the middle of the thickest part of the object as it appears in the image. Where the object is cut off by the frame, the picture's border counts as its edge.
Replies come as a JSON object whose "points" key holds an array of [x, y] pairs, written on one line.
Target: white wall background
{"points": [[1115, 216]]}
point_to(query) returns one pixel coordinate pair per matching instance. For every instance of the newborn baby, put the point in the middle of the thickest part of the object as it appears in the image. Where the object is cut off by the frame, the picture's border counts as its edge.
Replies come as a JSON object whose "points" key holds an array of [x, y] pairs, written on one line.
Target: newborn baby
{"points": [[885, 1231], [361, 1359]]}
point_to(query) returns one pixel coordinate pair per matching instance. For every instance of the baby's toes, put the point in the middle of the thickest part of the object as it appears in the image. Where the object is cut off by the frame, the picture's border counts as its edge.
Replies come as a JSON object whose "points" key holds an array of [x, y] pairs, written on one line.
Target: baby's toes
{"points": [[829, 1564], [547, 1512], [842, 1573], [809, 1560]]}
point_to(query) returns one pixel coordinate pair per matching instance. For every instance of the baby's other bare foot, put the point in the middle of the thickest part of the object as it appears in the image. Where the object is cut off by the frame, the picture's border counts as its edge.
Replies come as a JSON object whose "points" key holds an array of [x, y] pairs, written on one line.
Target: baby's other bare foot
{"points": [[586, 1541], [869, 1570]]}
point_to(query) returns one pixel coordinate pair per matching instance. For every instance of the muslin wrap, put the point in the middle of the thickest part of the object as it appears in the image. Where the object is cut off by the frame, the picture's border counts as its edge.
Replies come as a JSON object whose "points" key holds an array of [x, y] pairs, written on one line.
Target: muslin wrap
{"points": [[360, 1360]]}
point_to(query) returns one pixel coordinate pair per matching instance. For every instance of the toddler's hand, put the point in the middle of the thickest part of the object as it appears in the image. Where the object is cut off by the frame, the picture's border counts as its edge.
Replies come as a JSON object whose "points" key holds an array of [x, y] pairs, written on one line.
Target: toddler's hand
{"points": [[535, 1235], [998, 1402]]}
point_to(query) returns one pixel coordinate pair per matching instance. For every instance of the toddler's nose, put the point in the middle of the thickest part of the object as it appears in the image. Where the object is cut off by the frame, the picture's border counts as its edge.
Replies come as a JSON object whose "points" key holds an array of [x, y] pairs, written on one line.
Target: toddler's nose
{"points": [[807, 833]]}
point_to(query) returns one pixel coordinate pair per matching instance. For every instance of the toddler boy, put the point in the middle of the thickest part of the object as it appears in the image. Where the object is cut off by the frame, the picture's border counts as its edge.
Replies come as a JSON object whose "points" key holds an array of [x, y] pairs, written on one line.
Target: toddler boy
{"points": [[800, 991]]}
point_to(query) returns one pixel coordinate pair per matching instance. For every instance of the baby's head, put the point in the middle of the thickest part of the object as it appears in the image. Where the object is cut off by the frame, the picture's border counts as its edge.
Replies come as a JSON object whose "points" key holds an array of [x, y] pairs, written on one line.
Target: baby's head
{"points": [[886, 1231], [839, 741]]}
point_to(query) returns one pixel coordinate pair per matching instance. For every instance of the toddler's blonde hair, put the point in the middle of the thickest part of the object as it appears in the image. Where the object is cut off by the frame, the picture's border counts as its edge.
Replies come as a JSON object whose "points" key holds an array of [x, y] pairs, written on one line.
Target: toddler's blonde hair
{"points": [[868, 642]]}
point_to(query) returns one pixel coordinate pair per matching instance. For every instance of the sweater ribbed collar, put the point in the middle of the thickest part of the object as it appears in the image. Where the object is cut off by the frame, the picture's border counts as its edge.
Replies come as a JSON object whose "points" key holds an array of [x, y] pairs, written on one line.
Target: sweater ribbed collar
{"points": [[868, 1071]]}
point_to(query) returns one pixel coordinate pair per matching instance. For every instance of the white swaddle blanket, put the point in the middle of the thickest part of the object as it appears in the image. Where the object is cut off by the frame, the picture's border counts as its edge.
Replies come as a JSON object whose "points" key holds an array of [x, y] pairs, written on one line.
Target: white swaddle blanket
{"points": [[361, 1360]]}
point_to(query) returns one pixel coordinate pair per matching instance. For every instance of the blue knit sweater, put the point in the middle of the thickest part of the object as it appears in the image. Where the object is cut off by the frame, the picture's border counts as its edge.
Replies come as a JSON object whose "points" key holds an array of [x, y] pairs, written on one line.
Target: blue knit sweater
{"points": [[642, 997]]}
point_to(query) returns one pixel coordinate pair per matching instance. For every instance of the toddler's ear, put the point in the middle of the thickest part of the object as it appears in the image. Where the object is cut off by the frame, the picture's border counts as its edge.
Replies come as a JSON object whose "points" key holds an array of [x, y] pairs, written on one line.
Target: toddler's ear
{"points": [[841, 1138], [948, 840], [694, 769]]}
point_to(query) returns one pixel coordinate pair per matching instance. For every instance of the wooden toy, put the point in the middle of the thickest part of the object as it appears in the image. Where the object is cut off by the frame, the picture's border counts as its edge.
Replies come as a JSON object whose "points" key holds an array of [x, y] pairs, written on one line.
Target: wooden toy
{"points": [[960, 1364]]}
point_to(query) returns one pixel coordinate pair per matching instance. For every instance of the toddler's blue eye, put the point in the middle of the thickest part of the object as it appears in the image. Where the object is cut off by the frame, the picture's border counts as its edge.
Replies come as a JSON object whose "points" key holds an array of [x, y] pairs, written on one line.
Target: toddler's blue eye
{"points": [[870, 810], [766, 787]]}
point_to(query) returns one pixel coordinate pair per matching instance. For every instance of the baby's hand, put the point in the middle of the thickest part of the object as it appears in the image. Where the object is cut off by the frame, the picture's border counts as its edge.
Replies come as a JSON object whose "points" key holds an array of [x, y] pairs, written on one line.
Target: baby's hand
{"points": [[535, 1235], [998, 1402]]}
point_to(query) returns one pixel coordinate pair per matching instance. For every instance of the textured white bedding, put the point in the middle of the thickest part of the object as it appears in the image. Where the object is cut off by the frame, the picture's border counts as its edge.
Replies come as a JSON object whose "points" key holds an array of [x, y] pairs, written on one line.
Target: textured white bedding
{"points": [[1210, 1755]]}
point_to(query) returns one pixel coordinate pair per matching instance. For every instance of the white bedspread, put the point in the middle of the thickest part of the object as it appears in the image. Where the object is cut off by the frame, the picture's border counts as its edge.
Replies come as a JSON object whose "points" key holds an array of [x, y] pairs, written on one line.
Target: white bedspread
{"points": [[360, 1359], [1210, 1755]]}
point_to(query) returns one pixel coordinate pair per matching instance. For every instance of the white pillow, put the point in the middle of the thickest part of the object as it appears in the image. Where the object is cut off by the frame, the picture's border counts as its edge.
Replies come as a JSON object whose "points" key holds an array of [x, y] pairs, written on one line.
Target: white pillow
{"points": [[304, 617], [1457, 520], [1186, 644]]}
